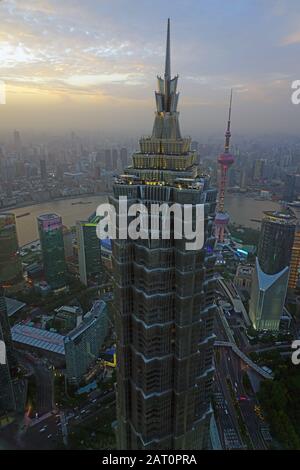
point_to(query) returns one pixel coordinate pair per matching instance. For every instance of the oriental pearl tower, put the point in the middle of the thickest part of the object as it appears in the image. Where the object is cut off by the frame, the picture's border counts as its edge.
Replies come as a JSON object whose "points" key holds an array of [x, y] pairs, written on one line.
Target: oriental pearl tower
{"points": [[225, 160]]}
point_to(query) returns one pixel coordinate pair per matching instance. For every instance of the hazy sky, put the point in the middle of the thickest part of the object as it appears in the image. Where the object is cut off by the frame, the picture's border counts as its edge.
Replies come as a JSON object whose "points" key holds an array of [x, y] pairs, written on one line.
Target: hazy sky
{"points": [[92, 64]]}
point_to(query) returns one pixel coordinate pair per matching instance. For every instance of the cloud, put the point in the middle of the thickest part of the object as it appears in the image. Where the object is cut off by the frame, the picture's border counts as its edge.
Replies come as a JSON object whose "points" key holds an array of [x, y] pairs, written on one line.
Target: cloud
{"points": [[111, 51], [293, 38]]}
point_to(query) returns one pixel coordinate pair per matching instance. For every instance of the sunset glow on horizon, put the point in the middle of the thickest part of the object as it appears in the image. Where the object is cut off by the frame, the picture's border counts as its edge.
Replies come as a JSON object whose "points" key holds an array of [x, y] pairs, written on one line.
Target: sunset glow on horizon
{"points": [[91, 59]]}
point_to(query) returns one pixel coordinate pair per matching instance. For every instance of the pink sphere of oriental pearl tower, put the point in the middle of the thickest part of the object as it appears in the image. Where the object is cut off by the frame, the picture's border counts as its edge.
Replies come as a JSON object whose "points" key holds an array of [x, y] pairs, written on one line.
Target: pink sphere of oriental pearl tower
{"points": [[225, 160]]}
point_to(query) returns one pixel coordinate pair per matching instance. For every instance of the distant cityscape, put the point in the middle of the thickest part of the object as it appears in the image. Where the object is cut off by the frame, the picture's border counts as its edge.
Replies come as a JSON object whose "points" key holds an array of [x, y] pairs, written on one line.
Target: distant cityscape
{"points": [[142, 344]]}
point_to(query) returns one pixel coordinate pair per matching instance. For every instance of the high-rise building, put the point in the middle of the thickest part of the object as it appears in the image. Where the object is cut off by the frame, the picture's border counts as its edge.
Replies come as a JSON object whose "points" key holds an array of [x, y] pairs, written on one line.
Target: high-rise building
{"points": [[267, 298], [7, 396], [243, 179], [295, 257], [89, 250], [2, 166], [164, 296], [43, 170], [51, 237], [6, 332], [17, 142], [271, 273], [124, 157], [295, 260], [59, 172], [68, 242], [276, 241], [291, 190], [10, 261], [114, 157], [258, 169], [107, 159], [83, 344]]}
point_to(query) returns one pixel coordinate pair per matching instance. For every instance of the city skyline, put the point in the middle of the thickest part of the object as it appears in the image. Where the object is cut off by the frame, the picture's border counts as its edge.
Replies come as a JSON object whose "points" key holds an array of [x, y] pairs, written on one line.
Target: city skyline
{"points": [[87, 67]]}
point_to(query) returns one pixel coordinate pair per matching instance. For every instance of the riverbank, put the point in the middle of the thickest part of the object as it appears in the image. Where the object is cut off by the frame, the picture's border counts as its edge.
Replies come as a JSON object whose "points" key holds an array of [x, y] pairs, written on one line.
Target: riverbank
{"points": [[4, 210], [70, 213]]}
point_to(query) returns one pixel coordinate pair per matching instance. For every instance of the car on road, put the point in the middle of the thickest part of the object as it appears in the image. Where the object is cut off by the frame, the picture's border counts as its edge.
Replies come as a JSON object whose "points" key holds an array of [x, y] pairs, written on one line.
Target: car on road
{"points": [[243, 398]]}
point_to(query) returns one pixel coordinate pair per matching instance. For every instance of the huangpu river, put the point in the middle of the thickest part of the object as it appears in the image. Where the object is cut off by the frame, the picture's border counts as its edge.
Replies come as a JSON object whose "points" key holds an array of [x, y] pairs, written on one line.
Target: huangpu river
{"points": [[242, 210], [68, 209]]}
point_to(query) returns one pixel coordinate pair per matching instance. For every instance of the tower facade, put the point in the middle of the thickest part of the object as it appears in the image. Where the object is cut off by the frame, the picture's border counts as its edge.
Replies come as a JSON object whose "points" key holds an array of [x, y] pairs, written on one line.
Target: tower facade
{"points": [[7, 398], [52, 243], [164, 295], [271, 272], [89, 250], [295, 256], [10, 262], [43, 170], [267, 299], [225, 160], [6, 332], [276, 241]]}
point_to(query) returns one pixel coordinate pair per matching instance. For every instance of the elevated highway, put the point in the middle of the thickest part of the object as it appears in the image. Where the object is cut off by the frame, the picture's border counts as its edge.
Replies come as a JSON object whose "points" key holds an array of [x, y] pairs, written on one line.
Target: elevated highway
{"points": [[244, 358]]}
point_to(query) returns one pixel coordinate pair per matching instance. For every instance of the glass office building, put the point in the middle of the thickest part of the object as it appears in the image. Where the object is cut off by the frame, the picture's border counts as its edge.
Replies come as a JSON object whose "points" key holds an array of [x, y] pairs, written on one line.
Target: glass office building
{"points": [[52, 243], [271, 273], [10, 261], [267, 298], [7, 398], [276, 241], [89, 250]]}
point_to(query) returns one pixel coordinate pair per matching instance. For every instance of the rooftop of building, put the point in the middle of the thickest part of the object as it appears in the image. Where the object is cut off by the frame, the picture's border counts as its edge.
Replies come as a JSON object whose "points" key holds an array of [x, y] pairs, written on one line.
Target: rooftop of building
{"points": [[74, 309], [280, 216], [38, 338], [243, 270], [13, 306], [267, 280], [91, 221], [50, 216], [88, 320]]}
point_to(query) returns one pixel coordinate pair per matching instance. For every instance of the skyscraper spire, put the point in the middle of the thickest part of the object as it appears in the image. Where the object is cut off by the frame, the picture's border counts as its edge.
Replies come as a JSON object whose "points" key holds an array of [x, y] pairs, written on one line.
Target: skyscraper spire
{"points": [[168, 54], [166, 125], [228, 133], [225, 160]]}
